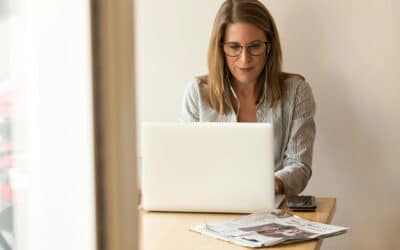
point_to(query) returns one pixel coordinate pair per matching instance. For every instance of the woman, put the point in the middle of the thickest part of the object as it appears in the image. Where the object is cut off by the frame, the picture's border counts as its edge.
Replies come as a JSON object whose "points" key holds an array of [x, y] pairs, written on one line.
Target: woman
{"points": [[245, 83]]}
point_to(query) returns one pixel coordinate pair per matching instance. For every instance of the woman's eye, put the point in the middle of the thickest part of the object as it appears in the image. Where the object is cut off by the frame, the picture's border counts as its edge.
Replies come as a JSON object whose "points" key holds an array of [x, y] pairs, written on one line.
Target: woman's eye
{"points": [[234, 47], [255, 46]]}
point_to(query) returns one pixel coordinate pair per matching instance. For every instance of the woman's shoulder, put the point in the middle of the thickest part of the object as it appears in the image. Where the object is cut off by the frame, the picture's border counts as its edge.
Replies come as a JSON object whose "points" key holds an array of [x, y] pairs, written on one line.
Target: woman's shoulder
{"points": [[295, 84], [203, 79], [197, 84], [297, 93], [293, 81], [196, 88]]}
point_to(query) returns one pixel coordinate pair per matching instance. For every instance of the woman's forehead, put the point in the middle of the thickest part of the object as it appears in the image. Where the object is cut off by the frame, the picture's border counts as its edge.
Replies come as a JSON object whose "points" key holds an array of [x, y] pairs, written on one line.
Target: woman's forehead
{"points": [[243, 32]]}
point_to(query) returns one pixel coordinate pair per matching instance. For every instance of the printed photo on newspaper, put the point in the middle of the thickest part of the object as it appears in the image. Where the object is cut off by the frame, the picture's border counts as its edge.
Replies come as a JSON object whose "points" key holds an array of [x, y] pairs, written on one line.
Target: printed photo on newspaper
{"points": [[268, 228]]}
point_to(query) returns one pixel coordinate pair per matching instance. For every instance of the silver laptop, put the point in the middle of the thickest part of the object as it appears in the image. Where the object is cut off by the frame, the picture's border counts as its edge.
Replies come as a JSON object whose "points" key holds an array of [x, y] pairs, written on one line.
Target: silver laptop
{"points": [[208, 167]]}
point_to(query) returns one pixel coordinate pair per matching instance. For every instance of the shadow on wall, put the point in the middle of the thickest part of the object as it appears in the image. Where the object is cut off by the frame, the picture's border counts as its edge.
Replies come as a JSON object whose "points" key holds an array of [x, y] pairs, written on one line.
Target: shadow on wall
{"points": [[316, 44]]}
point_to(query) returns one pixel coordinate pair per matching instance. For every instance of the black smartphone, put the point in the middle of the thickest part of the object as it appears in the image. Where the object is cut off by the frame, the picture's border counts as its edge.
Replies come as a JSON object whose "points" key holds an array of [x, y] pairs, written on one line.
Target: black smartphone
{"points": [[301, 203]]}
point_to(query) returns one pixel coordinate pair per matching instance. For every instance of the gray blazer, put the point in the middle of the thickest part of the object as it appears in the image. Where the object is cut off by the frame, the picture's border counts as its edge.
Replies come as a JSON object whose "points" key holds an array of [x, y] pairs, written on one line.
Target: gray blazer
{"points": [[293, 123]]}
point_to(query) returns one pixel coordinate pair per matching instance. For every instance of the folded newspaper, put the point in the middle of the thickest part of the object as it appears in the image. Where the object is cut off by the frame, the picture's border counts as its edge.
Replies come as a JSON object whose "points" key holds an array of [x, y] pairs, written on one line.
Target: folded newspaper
{"points": [[268, 228]]}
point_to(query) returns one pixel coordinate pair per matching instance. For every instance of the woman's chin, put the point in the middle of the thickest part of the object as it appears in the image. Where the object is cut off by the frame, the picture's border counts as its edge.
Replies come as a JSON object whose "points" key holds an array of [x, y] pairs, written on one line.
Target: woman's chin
{"points": [[246, 79]]}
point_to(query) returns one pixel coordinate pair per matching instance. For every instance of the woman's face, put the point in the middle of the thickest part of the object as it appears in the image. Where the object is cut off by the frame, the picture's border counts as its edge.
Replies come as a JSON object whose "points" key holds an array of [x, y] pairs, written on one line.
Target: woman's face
{"points": [[245, 67]]}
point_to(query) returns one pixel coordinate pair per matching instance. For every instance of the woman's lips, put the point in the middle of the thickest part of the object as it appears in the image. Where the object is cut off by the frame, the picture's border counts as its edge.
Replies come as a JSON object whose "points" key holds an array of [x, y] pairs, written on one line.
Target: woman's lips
{"points": [[246, 69]]}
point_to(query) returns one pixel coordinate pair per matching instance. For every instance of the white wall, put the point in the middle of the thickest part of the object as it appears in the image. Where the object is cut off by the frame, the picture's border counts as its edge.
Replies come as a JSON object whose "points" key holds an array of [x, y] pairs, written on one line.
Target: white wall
{"points": [[172, 42], [349, 52]]}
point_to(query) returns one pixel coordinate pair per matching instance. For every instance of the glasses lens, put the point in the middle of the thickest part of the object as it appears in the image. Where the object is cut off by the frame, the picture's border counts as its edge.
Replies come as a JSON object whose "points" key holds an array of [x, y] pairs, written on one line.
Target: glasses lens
{"points": [[254, 49], [257, 49], [232, 49]]}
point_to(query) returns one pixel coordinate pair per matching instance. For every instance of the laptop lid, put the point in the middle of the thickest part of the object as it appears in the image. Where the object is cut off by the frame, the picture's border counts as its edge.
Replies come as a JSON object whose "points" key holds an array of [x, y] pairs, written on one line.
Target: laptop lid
{"points": [[207, 167]]}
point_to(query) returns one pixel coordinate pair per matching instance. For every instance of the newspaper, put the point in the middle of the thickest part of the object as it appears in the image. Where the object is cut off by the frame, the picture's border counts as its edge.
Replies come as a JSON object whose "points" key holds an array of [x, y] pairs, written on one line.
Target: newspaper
{"points": [[268, 228]]}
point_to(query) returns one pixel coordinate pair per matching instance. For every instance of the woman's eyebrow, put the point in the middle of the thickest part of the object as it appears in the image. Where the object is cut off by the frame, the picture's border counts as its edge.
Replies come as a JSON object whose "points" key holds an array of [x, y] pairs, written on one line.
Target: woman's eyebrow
{"points": [[254, 41]]}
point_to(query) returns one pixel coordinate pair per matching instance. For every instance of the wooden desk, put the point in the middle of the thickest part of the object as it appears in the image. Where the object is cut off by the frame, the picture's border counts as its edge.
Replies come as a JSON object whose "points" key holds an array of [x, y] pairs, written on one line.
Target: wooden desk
{"points": [[170, 231]]}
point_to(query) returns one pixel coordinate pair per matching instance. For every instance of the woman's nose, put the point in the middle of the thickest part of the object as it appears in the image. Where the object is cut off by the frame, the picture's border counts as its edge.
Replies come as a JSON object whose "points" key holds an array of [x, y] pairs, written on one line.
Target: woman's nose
{"points": [[245, 56]]}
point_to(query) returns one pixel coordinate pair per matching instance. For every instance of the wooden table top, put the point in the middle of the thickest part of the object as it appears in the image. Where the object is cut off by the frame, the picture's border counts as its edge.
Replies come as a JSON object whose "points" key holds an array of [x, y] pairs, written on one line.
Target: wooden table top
{"points": [[170, 231]]}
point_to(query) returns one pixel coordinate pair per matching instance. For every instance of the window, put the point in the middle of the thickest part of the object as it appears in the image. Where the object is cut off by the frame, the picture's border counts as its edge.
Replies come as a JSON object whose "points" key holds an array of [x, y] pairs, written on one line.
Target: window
{"points": [[52, 94]]}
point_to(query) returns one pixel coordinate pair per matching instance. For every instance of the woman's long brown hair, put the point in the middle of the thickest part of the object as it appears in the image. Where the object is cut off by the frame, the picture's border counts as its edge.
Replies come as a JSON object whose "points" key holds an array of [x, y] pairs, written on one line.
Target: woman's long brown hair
{"points": [[270, 80]]}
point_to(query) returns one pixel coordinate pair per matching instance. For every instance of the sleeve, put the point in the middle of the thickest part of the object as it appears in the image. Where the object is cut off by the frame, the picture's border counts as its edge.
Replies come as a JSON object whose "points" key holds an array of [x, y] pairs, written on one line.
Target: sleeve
{"points": [[296, 170], [190, 103]]}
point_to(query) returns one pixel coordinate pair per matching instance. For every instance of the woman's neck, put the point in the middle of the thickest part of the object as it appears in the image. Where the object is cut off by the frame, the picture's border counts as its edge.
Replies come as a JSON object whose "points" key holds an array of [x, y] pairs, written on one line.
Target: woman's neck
{"points": [[245, 90]]}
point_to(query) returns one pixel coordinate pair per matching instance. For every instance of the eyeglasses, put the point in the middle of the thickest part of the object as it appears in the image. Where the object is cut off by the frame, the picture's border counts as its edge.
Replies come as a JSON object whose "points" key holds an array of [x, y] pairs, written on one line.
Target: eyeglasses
{"points": [[234, 49]]}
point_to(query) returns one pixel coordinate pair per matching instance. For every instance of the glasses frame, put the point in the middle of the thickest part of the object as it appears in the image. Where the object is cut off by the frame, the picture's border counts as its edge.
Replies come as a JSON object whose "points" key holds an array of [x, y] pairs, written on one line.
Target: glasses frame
{"points": [[268, 46]]}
